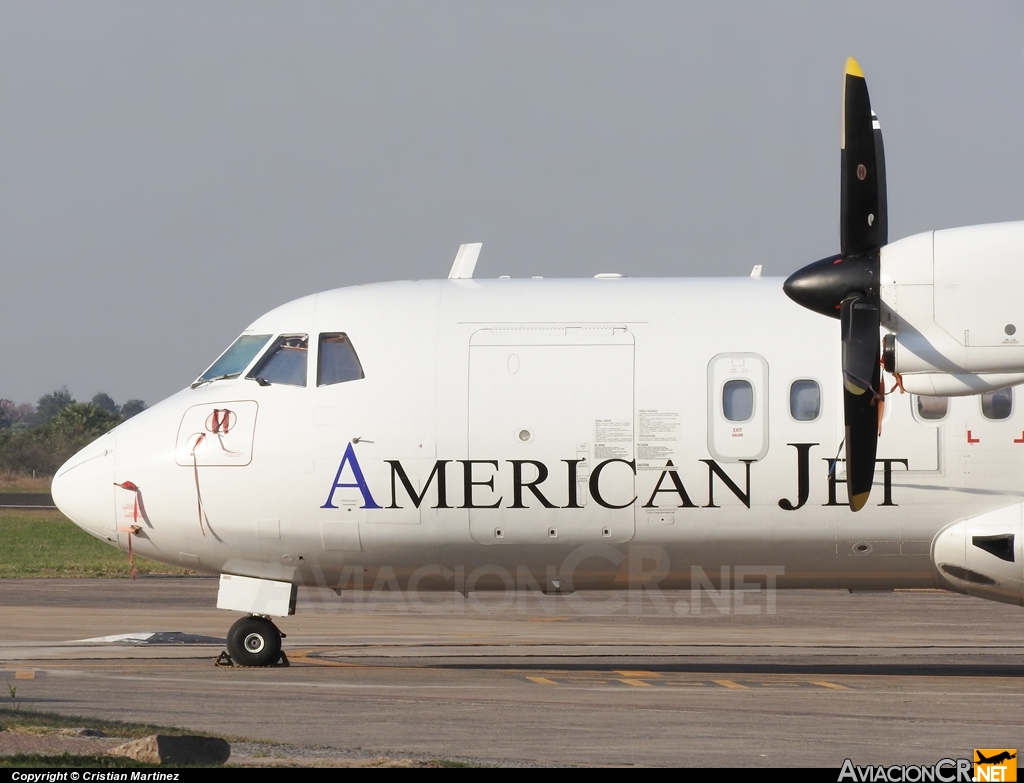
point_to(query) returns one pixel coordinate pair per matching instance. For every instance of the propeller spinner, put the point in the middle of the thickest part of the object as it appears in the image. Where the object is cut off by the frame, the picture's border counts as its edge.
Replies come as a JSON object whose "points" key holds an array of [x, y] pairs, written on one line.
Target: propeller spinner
{"points": [[846, 286]]}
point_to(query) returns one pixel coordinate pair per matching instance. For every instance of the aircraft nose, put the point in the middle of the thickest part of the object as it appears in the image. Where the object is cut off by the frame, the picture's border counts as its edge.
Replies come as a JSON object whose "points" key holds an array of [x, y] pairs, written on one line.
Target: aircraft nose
{"points": [[83, 488]]}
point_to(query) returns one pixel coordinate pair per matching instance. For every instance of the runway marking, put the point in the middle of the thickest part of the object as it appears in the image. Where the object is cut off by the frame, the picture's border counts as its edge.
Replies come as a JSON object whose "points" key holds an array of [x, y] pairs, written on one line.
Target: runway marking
{"points": [[542, 680], [570, 679], [641, 679], [635, 683], [729, 684], [645, 675], [300, 656]]}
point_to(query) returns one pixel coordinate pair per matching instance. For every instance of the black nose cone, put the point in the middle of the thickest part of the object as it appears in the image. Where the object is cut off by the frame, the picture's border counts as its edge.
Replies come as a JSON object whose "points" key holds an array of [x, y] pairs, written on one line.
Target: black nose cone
{"points": [[823, 285]]}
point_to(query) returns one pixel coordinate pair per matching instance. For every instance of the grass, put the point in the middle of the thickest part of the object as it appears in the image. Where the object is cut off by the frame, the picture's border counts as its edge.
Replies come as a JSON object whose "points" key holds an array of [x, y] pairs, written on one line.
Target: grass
{"points": [[35, 760], [17, 483], [19, 721], [45, 543], [22, 721]]}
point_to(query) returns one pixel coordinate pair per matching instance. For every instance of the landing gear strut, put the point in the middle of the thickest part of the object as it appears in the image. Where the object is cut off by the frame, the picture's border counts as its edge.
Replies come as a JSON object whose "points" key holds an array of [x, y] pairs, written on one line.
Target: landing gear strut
{"points": [[255, 641]]}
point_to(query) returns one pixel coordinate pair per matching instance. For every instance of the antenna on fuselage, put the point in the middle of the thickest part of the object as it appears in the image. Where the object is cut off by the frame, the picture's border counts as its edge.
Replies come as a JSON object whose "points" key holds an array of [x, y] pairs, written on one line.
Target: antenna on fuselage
{"points": [[465, 261]]}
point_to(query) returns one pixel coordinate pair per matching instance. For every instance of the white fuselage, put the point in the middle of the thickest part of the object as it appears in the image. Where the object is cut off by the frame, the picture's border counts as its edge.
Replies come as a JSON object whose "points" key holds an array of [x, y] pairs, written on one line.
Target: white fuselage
{"points": [[609, 390]]}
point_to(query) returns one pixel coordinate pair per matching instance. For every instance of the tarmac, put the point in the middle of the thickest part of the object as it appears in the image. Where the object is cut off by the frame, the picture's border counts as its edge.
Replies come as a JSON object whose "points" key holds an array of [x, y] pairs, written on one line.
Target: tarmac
{"points": [[26, 500], [788, 679]]}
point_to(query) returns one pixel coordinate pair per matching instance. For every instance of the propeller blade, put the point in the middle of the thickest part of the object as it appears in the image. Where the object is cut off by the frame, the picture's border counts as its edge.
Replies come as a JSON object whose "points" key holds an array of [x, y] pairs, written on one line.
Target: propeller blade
{"points": [[882, 218], [862, 222], [846, 285], [861, 320], [861, 446], [862, 375]]}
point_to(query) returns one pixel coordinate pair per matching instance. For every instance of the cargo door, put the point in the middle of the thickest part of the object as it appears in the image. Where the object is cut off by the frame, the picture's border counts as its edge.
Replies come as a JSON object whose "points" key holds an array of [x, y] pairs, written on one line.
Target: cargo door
{"points": [[549, 407]]}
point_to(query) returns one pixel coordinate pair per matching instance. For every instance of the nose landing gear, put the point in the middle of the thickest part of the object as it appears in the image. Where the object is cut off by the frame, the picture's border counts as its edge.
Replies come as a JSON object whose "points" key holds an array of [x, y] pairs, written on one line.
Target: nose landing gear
{"points": [[254, 641]]}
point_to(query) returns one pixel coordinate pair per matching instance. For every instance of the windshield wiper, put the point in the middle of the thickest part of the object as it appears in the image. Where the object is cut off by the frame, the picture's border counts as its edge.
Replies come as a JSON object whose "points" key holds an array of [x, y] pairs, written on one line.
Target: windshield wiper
{"points": [[204, 381]]}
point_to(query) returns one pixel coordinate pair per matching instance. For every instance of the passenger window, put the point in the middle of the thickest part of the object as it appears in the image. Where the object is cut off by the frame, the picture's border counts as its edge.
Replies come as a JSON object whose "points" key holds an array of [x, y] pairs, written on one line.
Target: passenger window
{"points": [[337, 361], [285, 363], [997, 404], [932, 408], [738, 400], [804, 400]]}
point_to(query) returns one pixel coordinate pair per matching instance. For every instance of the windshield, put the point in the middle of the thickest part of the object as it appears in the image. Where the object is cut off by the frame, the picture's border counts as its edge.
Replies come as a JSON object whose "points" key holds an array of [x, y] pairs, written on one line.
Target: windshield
{"points": [[235, 359], [337, 361], [284, 363]]}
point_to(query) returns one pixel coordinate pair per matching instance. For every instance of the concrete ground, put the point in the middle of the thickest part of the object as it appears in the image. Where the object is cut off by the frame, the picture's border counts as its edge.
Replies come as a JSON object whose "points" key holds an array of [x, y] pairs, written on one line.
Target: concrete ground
{"points": [[800, 679]]}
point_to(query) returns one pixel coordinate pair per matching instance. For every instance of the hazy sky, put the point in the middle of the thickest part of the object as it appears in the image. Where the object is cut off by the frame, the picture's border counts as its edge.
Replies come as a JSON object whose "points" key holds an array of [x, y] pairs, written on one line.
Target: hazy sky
{"points": [[170, 171]]}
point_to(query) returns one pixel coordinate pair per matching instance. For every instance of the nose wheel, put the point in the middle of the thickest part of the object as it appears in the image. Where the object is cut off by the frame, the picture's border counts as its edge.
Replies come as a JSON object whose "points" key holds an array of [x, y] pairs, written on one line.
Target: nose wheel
{"points": [[255, 641]]}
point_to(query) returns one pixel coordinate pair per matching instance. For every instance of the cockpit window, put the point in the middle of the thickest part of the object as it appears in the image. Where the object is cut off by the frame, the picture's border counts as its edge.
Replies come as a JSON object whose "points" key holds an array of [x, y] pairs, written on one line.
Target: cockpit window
{"points": [[337, 361], [235, 359], [284, 363]]}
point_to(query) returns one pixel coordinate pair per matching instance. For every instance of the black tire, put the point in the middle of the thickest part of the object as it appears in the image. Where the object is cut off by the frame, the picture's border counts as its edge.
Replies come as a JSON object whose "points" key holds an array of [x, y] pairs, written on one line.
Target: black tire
{"points": [[254, 641]]}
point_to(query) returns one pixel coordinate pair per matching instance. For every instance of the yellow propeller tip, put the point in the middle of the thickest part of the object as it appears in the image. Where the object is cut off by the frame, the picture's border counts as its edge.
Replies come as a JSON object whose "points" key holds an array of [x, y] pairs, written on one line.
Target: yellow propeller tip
{"points": [[853, 68], [857, 501], [853, 388]]}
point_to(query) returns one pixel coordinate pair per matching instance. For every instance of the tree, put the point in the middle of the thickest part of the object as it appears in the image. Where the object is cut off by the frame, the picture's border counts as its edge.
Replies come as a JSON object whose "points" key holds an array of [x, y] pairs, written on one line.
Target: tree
{"points": [[82, 420], [46, 447], [105, 402], [132, 408], [24, 416], [17, 417], [43, 439], [51, 404]]}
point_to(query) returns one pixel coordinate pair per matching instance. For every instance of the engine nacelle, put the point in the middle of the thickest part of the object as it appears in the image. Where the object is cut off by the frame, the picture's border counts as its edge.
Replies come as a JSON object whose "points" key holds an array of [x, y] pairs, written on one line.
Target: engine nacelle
{"points": [[955, 302], [937, 384], [982, 556]]}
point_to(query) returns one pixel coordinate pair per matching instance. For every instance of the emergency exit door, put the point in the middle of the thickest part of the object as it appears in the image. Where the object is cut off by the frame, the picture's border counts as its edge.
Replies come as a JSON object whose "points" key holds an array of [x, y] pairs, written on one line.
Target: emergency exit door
{"points": [[737, 407]]}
